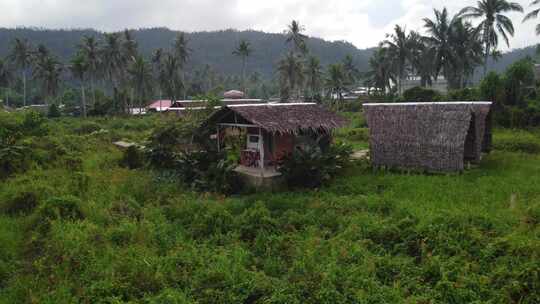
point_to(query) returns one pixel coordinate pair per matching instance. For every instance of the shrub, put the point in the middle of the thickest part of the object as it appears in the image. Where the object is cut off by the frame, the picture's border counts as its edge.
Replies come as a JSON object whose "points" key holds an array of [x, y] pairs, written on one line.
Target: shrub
{"points": [[13, 159], [87, 128], [208, 171], [358, 134], [465, 94], [54, 111], [55, 208], [419, 94], [320, 166], [21, 204], [133, 158], [517, 142]]}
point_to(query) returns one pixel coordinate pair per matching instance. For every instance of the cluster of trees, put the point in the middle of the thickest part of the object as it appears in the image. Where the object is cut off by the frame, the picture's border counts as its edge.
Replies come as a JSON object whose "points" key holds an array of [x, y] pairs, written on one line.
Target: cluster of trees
{"points": [[114, 71], [302, 73], [453, 46]]}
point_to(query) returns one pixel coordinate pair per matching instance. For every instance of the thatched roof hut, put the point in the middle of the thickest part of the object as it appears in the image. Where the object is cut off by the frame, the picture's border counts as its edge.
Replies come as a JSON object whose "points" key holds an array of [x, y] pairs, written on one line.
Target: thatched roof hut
{"points": [[280, 117], [435, 136]]}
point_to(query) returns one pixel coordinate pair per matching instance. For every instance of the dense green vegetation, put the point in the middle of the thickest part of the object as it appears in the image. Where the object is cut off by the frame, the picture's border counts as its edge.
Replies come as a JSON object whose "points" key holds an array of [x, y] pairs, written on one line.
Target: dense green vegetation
{"points": [[77, 225]]}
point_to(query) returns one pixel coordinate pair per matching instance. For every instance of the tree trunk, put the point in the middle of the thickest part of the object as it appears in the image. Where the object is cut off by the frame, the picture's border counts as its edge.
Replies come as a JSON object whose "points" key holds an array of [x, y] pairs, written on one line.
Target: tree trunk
{"points": [[24, 88], [244, 75], [83, 100], [93, 88]]}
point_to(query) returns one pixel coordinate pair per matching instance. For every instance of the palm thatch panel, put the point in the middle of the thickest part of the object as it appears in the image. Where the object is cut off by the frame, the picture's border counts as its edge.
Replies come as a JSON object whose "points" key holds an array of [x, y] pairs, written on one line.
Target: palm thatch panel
{"points": [[282, 118], [427, 136]]}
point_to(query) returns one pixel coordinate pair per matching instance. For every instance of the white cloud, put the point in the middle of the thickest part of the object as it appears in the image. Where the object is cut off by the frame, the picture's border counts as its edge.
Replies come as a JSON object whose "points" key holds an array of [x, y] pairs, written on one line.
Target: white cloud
{"points": [[362, 22]]}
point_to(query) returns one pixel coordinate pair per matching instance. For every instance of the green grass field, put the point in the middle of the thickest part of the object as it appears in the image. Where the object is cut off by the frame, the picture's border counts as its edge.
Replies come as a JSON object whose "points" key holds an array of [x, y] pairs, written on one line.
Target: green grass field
{"points": [[78, 228]]}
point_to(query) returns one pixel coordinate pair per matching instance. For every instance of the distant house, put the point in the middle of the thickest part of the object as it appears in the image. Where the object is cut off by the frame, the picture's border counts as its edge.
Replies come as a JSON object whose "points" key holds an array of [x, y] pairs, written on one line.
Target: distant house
{"points": [[434, 136], [273, 131], [159, 106], [440, 84], [234, 94]]}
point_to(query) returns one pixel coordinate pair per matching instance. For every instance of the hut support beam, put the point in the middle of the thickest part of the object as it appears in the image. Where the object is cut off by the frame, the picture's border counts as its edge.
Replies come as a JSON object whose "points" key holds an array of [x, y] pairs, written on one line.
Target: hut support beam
{"points": [[261, 151], [218, 139]]}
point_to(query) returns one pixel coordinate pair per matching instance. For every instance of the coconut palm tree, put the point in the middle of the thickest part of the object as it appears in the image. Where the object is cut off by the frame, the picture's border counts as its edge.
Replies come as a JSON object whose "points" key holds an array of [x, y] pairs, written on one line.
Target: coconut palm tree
{"points": [[90, 49], [534, 14], [157, 67], [439, 40], [380, 74], [129, 46], [398, 45], [313, 75], [243, 50], [467, 52], [290, 70], [79, 68], [6, 77], [21, 57], [350, 70], [140, 76], [494, 22], [335, 82], [48, 70], [182, 53], [172, 78], [294, 35]]}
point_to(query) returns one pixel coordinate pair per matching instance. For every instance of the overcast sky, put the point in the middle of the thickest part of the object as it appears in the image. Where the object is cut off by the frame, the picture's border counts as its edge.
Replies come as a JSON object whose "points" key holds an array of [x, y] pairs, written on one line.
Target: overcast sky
{"points": [[362, 22]]}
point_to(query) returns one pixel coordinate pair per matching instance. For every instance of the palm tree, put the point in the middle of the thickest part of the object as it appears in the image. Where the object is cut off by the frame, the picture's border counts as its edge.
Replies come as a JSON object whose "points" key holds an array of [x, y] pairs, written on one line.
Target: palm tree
{"points": [[5, 78], [467, 51], [129, 46], [182, 53], [335, 81], [534, 14], [290, 74], [243, 50], [90, 49], [171, 77], [380, 74], [399, 47], [141, 79], [313, 74], [48, 71], [440, 44], [350, 70], [21, 56], [113, 62], [294, 35], [422, 58], [494, 22], [157, 67], [79, 69]]}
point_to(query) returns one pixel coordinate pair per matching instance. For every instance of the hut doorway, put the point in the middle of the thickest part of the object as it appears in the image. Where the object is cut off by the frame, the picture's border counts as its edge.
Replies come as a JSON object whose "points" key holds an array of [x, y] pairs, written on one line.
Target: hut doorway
{"points": [[470, 140]]}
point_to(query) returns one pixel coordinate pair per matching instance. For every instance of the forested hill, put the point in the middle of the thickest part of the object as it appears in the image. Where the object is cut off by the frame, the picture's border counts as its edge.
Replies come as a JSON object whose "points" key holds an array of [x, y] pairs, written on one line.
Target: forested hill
{"points": [[213, 48]]}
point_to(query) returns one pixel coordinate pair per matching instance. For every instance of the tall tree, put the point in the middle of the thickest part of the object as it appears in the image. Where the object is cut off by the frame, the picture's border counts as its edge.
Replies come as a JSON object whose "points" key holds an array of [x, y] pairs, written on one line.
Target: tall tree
{"points": [[350, 70], [399, 48], [182, 53], [113, 63], [21, 56], [141, 79], [494, 22], [79, 68], [6, 77], [291, 75], [295, 36], [172, 79], [380, 74], [439, 41], [48, 71], [534, 14], [90, 49], [243, 50], [158, 57], [335, 82], [313, 75]]}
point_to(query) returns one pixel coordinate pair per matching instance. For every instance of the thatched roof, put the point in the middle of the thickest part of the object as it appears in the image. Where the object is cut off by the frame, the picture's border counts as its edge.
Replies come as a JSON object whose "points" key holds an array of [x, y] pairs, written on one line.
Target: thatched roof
{"points": [[281, 117], [429, 136]]}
